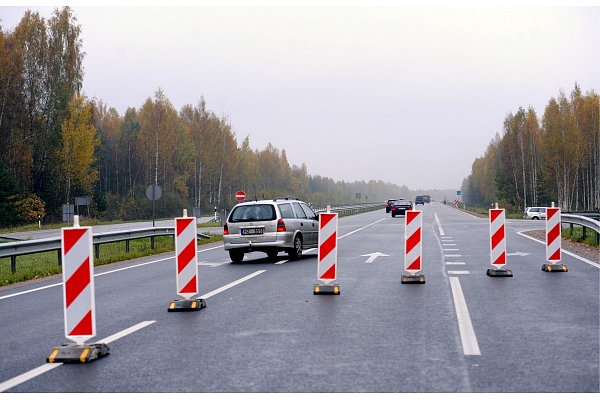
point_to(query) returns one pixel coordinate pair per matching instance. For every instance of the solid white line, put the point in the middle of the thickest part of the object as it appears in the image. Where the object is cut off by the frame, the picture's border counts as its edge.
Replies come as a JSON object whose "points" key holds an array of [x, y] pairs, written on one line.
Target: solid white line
{"points": [[42, 369], [232, 284], [126, 332], [17, 380], [467, 334], [439, 225], [360, 229], [593, 264]]}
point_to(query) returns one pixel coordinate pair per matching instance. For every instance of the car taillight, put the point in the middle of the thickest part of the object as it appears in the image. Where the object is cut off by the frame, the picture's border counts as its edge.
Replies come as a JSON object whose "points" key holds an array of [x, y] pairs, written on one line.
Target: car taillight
{"points": [[393, 208], [225, 229], [280, 226]]}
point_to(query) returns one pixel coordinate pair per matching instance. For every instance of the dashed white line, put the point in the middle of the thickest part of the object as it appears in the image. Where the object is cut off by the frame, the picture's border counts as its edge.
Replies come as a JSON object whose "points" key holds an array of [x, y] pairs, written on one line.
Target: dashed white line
{"points": [[455, 263], [459, 272], [465, 327]]}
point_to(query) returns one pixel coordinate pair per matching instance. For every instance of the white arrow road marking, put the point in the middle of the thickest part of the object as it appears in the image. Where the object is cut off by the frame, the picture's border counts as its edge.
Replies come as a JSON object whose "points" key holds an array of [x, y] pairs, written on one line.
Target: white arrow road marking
{"points": [[518, 253], [211, 265], [373, 256]]}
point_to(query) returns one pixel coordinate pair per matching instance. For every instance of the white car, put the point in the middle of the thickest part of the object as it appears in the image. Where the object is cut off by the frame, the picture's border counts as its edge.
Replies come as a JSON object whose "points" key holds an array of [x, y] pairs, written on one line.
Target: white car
{"points": [[270, 226], [535, 213]]}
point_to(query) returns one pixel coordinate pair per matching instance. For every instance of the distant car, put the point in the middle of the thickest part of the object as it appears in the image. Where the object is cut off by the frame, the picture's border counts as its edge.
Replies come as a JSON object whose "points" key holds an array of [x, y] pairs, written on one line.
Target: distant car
{"points": [[282, 224], [399, 207], [388, 205], [535, 213], [419, 200]]}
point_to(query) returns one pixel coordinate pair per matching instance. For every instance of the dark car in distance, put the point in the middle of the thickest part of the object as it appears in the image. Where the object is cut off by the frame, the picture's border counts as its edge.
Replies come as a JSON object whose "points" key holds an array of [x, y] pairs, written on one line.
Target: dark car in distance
{"points": [[419, 200], [388, 205], [399, 207]]}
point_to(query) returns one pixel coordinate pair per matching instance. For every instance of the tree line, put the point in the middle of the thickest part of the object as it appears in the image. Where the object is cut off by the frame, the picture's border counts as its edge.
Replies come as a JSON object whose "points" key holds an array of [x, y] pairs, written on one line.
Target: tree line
{"points": [[538, 161], [57, 145]]}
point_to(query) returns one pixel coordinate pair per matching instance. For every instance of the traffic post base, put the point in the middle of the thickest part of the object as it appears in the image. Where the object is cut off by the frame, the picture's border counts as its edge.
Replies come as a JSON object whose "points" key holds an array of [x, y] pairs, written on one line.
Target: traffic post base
{"points": [[499, 272], [554, 268], [327, 289], [413, 279], [77, 354], [186, 305]]}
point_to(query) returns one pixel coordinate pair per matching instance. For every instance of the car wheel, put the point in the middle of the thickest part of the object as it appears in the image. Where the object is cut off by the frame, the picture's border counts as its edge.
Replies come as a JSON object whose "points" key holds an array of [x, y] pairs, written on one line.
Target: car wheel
{"points": [[393, 215], [236, 256], [534, 218], [272, 255], [296, 253]]}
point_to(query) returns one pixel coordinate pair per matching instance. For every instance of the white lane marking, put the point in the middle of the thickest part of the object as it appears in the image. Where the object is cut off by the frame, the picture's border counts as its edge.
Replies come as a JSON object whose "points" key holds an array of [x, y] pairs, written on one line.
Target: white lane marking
{"points": [[452, 255], [102, 273], [281, 262], [465, 327], [455, 263], [450, 249], [360, 229], [585, 260], [446, 237], [126, 332], [42, 369], [459, 272], [439, 225], [232, 284], [448, 244]]}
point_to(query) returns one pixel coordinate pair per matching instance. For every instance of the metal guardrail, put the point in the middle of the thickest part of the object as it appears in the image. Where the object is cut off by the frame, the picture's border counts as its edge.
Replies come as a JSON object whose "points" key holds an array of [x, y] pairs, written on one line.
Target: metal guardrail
{"points": [[583, 221], [19, 248]]}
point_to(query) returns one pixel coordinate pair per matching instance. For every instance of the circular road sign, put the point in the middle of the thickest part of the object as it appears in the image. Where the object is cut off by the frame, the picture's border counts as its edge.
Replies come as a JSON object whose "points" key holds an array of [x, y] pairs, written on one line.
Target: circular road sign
{"points": [[240, 195], [153, 194]]}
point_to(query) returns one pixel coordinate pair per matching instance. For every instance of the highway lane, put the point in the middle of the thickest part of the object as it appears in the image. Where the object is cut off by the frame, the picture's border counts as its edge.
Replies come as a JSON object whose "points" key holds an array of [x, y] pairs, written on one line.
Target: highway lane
{"points": [[270, 333]]}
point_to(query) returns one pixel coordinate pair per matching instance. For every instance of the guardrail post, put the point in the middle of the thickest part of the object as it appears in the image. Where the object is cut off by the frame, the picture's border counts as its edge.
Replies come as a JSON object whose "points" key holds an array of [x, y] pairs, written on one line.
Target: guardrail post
{"points": [[127, 246], [59, 257], [13, 264], [97, 251], [152, 242]]}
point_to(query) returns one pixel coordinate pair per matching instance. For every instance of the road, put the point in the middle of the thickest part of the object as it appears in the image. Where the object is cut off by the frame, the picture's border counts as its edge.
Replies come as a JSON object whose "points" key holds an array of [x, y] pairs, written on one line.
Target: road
{"points": [[264, 331]]}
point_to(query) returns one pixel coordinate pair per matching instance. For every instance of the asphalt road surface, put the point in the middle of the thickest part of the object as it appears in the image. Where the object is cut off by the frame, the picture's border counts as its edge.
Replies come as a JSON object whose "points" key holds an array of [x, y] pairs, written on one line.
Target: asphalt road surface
{"points": [[263, 330]]}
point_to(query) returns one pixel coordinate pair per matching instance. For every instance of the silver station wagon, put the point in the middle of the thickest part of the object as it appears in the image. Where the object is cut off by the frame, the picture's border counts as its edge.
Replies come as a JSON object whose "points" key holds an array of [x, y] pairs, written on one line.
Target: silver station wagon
{"points": [[270, 226]]}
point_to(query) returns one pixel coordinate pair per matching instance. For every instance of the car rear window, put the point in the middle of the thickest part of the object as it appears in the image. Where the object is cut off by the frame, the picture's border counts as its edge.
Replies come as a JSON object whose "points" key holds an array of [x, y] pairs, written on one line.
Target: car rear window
{"points": [[253, 212]]}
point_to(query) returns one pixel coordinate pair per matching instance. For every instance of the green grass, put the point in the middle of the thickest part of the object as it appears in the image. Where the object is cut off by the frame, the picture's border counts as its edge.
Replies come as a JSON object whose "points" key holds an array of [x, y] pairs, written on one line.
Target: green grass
{"points": [[34, 266]]}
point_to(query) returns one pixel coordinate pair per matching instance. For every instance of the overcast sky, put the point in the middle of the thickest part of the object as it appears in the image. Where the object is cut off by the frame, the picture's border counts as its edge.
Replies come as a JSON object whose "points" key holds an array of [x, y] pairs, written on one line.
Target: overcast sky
{"points": [[405, 95]]}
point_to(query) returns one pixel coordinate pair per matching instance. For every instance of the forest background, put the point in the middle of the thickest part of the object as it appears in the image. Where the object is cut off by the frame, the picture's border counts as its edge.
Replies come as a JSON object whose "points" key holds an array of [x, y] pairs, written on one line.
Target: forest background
{"points": [[56, 145]]}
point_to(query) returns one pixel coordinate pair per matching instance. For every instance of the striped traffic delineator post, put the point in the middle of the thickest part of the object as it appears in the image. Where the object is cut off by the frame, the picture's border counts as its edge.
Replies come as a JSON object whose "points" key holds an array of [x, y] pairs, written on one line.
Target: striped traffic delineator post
{"points": [[327, 258], [186, 265], [553, 241], [78, 298], [498, 243], [413, 251]]}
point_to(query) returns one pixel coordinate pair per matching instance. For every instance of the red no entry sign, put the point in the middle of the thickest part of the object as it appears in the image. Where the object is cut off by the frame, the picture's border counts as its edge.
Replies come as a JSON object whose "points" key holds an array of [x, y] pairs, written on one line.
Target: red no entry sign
{"points": [[240, 195]]}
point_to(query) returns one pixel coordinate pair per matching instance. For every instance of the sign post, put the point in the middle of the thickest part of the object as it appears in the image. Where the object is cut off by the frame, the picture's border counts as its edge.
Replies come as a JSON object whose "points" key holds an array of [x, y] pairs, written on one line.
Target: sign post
{"points": [[186, 265], [327, 258], [498, 243], [553, 241], [413, 253], [78, 296]]}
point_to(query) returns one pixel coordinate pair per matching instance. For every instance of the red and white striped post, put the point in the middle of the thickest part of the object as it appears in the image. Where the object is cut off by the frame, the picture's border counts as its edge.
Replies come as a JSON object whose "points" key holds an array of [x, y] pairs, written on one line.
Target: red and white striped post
{"points": [[498, 242], [78, 283], [413, 251], [186, 263], [327, 258], [78, 297], [553, 241]]}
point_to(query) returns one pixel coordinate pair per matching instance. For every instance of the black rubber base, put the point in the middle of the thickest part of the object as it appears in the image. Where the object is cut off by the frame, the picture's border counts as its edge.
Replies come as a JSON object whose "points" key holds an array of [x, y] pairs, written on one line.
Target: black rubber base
{"points": [[413, 279], [77, 354], [499, 272], [186, 305], [327, 289], [554, 268]]}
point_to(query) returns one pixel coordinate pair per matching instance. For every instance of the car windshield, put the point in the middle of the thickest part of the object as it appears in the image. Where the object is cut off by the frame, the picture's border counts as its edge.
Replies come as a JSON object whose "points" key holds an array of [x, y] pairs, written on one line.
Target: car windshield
{"points": [[252, 212]]}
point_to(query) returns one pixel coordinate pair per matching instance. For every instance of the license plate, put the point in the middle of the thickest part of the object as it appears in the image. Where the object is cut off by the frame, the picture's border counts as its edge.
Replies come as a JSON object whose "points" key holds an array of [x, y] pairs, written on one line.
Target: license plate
{"points": [[252, 231]]}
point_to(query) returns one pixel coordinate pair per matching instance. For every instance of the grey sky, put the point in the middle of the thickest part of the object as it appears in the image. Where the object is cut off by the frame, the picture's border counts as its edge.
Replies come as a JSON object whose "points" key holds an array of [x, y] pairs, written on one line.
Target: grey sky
{"points": [[401, 94]]}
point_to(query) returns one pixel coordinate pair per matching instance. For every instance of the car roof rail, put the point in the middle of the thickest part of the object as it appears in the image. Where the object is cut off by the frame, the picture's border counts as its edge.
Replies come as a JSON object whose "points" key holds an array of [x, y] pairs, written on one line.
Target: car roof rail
{"points": [[285, 198]]}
